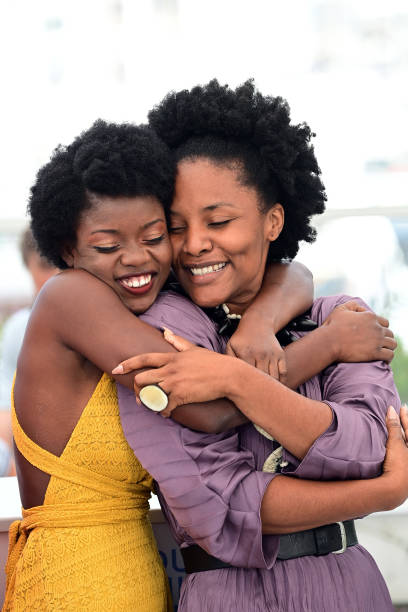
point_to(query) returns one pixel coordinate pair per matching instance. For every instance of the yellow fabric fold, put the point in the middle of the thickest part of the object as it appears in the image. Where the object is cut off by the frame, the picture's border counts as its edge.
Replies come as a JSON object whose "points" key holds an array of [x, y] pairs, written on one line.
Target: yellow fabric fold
{"points": [[91, 538]]}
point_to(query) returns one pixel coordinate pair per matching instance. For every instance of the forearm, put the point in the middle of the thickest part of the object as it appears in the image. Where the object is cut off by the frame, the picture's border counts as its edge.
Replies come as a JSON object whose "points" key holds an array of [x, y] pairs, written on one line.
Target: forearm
{"points": [[287, 291], [209, 417], [295, 421], [309, 356], [291, 504], [113, 334]]}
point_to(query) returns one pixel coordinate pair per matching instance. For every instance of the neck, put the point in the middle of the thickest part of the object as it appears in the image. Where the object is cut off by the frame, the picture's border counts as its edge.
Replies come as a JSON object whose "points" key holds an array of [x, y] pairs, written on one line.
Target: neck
{"points": [[238, 308]]}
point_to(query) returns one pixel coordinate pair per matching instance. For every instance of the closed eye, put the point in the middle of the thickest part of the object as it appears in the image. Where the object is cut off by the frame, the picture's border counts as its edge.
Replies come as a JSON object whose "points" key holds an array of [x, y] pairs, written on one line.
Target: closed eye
{"points": [[219, 223], [155, 240], [108, 249], [176, 230]]}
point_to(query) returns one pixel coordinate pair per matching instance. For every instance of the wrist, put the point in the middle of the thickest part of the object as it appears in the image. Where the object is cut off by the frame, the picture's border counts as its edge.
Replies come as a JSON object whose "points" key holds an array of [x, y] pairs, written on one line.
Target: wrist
{"points": [[330, 341], [255, 312], [235, 375], [393, 492]]}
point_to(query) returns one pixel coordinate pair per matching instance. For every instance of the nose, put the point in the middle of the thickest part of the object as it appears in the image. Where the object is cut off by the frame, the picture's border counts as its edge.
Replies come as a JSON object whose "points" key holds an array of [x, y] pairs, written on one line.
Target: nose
{"points": [[135, 256], [196, 241]]}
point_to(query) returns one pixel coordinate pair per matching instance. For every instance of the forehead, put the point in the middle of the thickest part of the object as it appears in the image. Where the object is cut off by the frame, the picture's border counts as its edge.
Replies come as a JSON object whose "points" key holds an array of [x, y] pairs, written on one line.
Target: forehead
{"points": [[202, 184], [106, 210]]}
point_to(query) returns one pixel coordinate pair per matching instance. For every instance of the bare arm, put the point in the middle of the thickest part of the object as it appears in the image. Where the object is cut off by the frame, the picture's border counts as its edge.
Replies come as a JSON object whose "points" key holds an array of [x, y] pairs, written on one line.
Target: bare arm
{"points": [[350, 334], [320, 503], [287, 291], [198, 374], [90, 319]]}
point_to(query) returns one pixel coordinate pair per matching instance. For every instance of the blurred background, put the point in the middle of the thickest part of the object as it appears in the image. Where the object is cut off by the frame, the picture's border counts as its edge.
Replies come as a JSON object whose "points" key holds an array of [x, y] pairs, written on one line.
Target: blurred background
{"points": [[341, 64]]}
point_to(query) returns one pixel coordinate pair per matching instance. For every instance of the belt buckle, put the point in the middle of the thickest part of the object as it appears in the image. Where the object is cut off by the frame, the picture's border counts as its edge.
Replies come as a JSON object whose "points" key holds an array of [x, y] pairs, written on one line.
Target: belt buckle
{"points": [[343, 539]]}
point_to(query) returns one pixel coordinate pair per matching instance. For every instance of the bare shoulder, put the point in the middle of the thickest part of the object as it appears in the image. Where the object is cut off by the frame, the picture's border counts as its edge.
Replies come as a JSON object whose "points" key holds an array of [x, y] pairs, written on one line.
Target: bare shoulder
{"points": [[60, 287], [71, 294]]}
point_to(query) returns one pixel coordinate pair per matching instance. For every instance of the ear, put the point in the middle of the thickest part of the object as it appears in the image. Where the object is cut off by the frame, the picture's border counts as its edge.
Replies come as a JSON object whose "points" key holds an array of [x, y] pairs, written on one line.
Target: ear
{"points": [[275, 219], [68, 255]]}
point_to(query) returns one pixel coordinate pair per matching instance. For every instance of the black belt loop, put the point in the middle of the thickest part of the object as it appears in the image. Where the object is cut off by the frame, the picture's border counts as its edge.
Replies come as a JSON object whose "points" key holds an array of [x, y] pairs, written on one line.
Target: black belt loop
{"points": [[334, 538]]}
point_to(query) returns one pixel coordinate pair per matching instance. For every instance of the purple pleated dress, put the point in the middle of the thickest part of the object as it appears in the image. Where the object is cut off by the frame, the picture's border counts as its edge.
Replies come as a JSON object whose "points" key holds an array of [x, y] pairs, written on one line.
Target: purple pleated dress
{"points": [[211, 486]]}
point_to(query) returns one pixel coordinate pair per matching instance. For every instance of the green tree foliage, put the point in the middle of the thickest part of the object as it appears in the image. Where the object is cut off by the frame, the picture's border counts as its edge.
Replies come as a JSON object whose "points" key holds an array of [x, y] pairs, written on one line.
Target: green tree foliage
{"points": [[400, 368]]}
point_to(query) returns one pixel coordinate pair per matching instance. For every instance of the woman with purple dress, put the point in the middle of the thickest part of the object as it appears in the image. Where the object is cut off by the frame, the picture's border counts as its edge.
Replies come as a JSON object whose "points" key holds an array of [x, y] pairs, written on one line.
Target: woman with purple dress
{"points": [[241, 503]]}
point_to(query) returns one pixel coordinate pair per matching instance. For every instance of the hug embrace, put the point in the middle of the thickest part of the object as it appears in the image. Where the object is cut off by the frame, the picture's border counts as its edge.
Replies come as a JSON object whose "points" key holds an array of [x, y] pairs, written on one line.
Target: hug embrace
{"points": [[191, 223]]}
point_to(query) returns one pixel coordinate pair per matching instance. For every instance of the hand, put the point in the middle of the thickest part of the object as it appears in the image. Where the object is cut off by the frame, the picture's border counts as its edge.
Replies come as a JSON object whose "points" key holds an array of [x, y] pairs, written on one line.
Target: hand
{"points": [[395, 467], [360, 335], [192, 375], [178, 342], [260, 349]]}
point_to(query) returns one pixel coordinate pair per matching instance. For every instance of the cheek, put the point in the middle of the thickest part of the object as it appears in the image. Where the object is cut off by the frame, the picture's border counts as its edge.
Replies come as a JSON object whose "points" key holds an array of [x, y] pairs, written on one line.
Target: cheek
{"points": [[176, 243], [164, 256]]}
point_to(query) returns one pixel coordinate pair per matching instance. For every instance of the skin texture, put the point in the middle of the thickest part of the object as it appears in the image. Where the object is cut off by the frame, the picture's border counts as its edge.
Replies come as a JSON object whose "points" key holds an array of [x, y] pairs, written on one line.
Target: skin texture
{"points": [[216, 220], [122, 240]]}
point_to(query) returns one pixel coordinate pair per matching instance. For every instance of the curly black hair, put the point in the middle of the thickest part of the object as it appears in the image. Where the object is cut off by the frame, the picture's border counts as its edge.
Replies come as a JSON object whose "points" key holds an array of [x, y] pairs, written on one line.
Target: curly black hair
{"points": [[108, 159], [243, 126]]}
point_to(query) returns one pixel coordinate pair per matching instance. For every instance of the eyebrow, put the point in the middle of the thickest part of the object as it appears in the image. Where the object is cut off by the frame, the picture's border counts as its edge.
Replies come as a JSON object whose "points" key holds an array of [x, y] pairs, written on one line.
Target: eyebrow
{"points": [[210, 207], [113, 231]]}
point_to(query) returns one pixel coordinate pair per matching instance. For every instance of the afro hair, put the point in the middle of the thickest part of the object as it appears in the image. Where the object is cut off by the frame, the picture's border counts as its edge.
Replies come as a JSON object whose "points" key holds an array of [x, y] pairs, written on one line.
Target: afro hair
{"points": [[115, 160], [245, 127]]}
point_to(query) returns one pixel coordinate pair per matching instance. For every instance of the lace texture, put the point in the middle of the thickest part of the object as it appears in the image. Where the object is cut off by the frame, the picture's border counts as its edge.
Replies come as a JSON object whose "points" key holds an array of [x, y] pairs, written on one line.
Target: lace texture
{"points": [[90, 547]]}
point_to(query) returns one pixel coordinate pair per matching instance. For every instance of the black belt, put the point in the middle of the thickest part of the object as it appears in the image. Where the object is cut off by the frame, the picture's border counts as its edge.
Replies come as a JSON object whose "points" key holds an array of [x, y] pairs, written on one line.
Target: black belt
{"points": [[334, 538]]}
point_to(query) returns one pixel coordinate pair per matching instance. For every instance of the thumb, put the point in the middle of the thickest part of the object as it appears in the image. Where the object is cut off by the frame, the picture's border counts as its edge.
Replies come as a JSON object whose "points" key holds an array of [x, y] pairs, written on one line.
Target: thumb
{"points": [[179, 343], [393, 424]]}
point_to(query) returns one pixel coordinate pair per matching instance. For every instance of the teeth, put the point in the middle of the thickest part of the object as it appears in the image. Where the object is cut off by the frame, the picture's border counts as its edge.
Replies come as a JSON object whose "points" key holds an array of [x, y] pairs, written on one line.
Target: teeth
{"points": [[207, 269], [139, 281]]}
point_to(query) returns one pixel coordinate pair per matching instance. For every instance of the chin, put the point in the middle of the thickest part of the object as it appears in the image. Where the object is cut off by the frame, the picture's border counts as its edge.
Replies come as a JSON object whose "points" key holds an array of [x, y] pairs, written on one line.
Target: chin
{"points": [[202, 300]]}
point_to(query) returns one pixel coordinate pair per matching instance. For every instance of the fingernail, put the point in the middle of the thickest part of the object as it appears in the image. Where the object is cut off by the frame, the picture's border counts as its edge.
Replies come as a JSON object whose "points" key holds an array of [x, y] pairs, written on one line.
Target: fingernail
{"points": [[166, 330], [392, 412], [405, 408], [118, 369]]}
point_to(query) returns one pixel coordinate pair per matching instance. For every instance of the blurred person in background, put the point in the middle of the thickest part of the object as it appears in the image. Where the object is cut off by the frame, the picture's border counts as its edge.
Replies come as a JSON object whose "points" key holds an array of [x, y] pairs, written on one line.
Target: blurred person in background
{"points": [[12, 338]]}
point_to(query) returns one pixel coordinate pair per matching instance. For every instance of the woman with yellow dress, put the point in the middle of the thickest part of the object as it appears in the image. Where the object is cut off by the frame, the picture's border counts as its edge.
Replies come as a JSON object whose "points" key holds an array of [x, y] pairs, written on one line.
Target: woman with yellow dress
{"points": [[85, 542]]}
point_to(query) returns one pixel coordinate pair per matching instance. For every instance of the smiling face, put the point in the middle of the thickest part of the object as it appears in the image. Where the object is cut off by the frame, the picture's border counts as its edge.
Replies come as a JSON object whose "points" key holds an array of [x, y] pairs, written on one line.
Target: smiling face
{"points": [[219, 235], [124, 242]]}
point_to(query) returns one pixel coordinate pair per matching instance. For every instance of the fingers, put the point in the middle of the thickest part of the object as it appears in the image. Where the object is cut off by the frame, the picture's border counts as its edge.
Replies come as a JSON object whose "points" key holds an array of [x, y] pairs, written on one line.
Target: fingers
{"points": [[270, 367], [283, 371], [390, 343], [385, 354], [151, 377], [179, 343], [383, 321], [152, 360], [354, 306], [393, 424], [404, 420]]}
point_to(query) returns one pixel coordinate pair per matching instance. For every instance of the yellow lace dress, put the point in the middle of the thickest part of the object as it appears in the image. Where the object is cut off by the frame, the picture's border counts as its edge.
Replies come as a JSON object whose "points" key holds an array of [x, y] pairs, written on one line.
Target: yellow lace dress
{"points": [[90, 546]]}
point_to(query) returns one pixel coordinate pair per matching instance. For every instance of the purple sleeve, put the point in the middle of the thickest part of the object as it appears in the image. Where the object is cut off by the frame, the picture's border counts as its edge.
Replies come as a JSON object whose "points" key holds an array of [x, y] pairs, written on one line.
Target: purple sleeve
{"points": [[210, 487], [359, 394]]}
